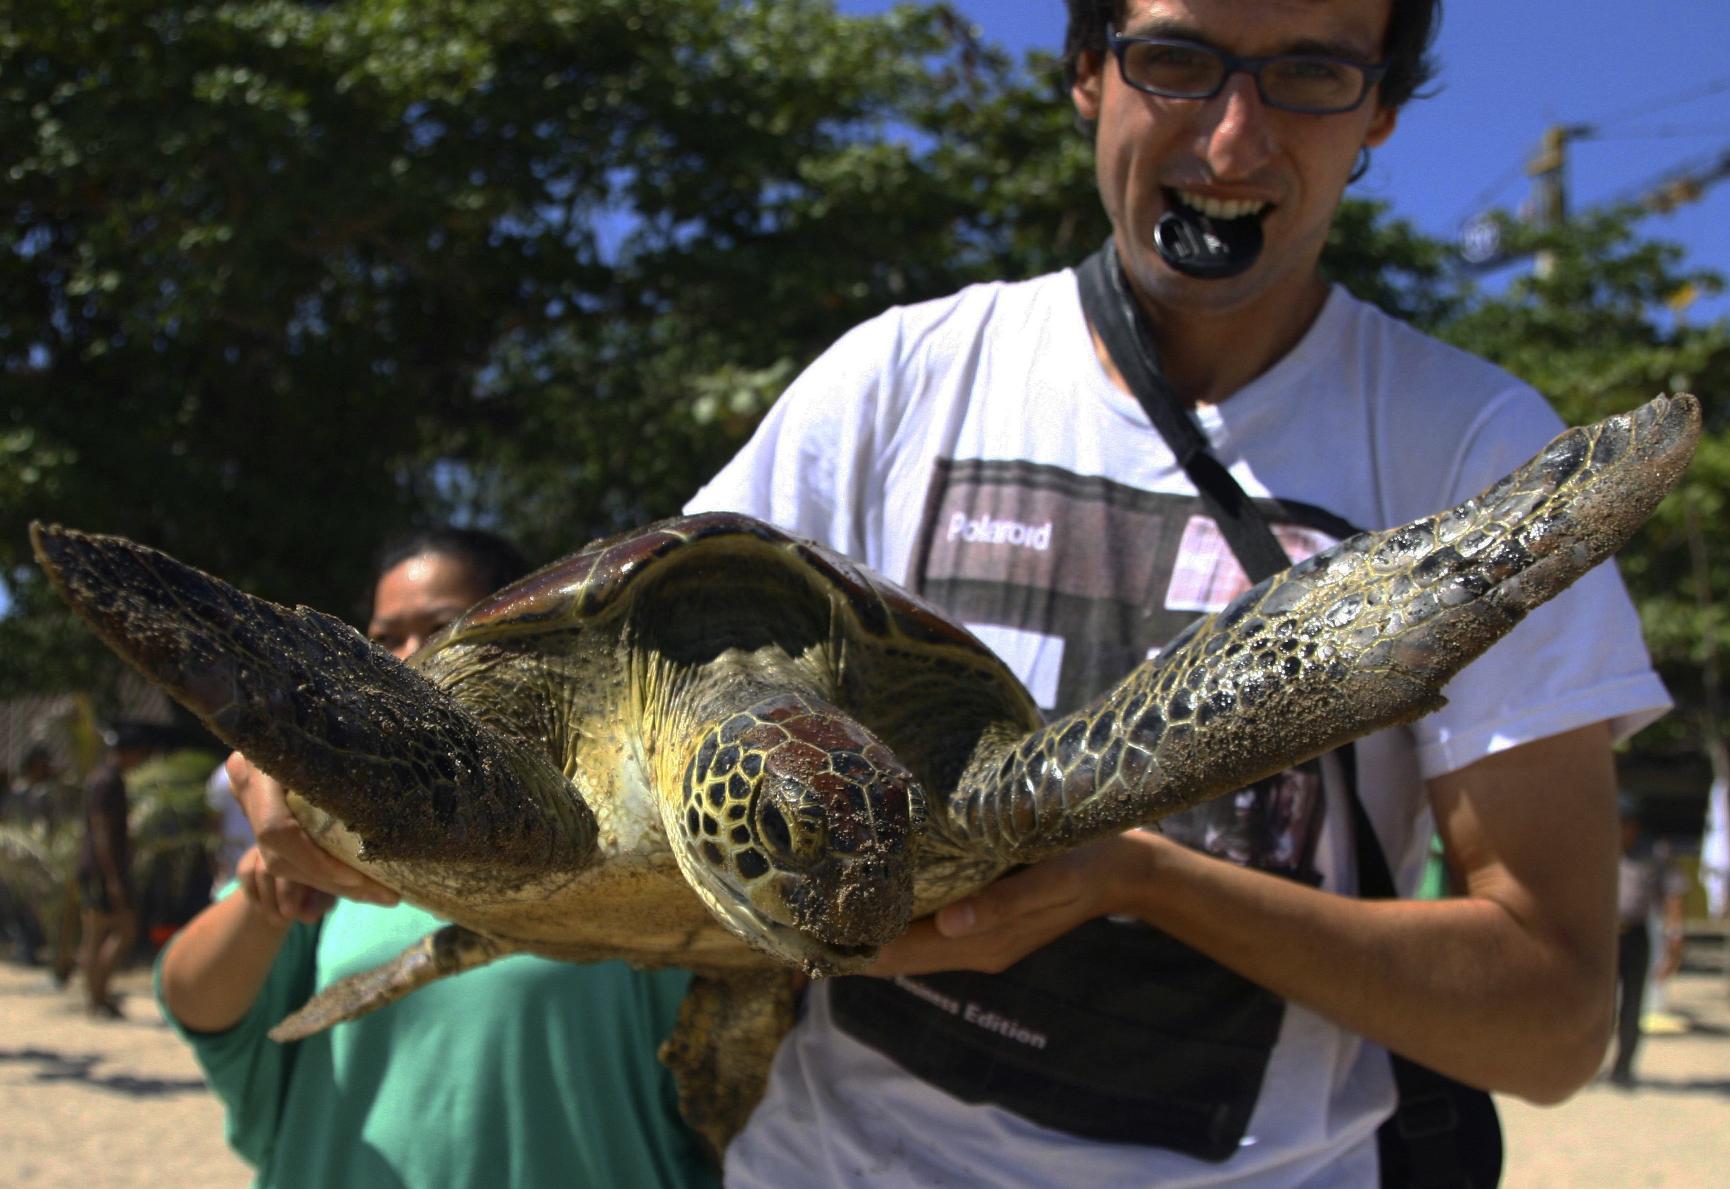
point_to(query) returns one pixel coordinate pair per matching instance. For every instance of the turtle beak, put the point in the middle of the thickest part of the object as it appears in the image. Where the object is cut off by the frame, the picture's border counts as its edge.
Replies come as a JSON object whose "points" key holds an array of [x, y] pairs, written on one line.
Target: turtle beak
{"points": [[853, 902], [840, 851]]}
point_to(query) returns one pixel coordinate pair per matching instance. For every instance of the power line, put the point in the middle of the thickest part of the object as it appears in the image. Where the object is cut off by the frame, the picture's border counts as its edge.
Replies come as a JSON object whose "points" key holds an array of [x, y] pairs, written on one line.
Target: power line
{"points": [[1668, 132], [1711, 88], [1508, 177], [1481, 245], [1682, 183]]}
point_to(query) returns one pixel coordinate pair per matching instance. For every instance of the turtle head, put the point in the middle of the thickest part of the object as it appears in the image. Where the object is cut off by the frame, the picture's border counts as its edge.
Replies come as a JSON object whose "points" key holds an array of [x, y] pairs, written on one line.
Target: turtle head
{"points": [[795, 825]]}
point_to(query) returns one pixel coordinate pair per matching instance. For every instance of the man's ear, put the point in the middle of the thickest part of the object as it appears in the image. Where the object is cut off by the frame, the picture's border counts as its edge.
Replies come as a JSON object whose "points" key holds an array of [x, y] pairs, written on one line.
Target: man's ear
{"points": [[1381, 126], [1089, 79]]}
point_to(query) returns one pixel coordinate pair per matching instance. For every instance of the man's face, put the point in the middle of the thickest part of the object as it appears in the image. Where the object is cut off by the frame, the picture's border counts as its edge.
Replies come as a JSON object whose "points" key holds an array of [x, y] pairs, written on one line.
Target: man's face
{"points": [[1154, 152]]}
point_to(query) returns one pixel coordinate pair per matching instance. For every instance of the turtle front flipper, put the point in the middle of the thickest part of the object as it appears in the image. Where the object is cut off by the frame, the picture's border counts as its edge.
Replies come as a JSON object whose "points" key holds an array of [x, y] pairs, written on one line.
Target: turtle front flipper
{"points": [[1359, 637], [441, 953], [401, 764]]}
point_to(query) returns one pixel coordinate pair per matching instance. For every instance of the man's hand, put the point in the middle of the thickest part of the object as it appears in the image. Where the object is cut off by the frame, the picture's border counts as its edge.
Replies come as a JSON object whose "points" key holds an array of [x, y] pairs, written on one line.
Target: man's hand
{"points": [[996, 927], [286, 851]]}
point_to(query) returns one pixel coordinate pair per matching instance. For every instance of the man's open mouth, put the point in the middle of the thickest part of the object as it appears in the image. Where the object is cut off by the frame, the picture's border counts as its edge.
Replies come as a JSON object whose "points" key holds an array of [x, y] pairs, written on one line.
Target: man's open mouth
{"points": [[1207, 237], [1216, 208]]}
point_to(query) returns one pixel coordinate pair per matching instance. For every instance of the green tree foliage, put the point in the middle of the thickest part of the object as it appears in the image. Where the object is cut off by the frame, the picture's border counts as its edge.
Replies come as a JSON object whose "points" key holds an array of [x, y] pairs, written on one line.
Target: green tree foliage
{"points": [[279, 278], [1388, 262], [834, 167]]}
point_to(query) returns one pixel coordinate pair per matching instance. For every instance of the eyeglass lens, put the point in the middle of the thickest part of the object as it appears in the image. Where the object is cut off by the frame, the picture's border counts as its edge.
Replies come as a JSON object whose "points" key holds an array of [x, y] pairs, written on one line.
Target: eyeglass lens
{"points": [[1297, 81]]}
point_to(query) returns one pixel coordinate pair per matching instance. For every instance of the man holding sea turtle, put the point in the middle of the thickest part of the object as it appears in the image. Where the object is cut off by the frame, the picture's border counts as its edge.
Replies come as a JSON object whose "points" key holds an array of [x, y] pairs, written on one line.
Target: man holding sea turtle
{"points": [[1225, 132]]}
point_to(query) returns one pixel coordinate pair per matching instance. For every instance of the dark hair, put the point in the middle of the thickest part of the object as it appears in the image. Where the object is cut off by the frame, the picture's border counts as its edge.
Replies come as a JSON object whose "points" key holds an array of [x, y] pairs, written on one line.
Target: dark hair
{"points": [[1412, 27], [494, 561]]}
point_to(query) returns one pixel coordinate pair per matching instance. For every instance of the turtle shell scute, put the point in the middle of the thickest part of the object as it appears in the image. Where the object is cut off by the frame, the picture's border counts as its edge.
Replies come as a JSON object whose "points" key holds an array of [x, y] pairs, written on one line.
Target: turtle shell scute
{"points": [[598, 579], [593, 581]]}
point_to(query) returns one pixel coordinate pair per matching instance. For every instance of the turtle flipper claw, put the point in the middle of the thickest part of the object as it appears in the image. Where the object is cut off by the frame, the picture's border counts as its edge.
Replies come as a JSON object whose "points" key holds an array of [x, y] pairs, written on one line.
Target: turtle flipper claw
{"points": [[447, 951]]}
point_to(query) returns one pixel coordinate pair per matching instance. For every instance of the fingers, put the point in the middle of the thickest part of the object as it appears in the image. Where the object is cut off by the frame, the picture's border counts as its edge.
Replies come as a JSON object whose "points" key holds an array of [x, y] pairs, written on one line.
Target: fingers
{"points": [[1057, 885], [258, 886], [924, 947], [999, 925], [995, 928], [280, 901], [920, 949], [288, 851]]}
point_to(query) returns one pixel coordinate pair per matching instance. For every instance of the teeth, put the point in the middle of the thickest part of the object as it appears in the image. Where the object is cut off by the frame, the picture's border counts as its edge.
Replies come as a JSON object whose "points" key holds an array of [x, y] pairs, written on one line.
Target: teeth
{"points": [[1219, 208]]}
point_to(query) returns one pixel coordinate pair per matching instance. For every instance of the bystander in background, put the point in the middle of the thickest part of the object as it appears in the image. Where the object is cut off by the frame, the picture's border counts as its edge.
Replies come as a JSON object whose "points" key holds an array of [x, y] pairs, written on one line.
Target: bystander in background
{"points": [[526, 1072], [104, 880], [1649, 889]]}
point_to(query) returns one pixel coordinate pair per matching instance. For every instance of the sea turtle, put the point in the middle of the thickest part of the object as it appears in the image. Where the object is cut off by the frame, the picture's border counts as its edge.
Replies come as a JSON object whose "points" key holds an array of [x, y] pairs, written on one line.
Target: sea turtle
{"points": [[709, 744]]}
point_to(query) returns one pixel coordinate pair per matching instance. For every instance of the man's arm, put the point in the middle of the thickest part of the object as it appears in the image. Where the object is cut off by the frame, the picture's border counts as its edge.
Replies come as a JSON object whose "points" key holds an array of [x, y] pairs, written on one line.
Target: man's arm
{"points": [[1506, 986], [216, 966]]}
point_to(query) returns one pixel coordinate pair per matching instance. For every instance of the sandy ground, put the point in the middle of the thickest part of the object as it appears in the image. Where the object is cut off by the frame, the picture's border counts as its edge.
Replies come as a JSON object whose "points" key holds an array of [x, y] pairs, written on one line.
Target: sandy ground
{"points": [[1671, 1130], [87, 1105]]}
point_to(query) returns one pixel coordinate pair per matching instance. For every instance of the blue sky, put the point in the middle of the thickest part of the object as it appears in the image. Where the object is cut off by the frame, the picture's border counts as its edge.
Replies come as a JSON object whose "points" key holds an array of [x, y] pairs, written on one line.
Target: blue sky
{"points": [[1508, 71]]}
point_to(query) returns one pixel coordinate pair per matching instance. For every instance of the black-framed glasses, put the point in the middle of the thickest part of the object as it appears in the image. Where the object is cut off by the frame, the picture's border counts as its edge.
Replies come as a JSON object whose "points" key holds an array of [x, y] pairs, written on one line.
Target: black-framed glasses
{"points": [[1314, 84]]}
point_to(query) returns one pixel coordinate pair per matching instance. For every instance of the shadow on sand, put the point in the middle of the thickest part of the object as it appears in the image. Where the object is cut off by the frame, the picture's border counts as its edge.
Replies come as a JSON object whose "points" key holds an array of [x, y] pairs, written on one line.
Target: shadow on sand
{"points": [[1661, 1085], [54, 1066]]}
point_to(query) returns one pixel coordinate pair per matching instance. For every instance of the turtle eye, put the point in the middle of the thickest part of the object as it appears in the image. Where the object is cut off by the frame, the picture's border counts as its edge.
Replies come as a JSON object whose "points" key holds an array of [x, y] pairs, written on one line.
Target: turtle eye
{"points": [[775, 830], [790, 825]]}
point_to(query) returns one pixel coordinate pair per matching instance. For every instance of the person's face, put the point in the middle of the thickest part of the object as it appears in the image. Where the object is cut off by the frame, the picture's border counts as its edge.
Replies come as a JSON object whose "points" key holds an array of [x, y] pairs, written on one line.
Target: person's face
{"points": [[417, 597], [1231, 148]]}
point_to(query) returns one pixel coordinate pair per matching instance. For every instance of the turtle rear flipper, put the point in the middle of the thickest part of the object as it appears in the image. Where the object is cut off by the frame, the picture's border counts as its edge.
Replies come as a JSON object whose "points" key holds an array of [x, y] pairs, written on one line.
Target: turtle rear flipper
{"points": [[402, 764], [441, 953], [720, 1050]]}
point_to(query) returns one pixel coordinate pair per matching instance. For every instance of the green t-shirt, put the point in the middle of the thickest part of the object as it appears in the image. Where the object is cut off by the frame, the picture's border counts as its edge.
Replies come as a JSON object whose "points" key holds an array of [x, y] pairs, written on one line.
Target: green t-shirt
{"points": [[526, 1072]]}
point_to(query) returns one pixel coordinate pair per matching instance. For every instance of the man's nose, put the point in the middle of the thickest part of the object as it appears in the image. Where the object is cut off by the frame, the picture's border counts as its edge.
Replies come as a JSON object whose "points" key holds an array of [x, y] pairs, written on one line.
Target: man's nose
{"points": [[1235, 136]]}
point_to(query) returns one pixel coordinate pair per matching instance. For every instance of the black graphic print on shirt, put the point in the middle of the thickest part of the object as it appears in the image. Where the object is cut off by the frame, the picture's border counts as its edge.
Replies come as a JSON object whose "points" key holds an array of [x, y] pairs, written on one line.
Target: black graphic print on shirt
{"points": [[1075, 579]]}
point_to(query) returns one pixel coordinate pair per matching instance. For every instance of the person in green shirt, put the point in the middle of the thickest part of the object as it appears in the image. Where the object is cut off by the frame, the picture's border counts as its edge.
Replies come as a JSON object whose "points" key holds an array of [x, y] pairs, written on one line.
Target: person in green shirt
{"points": [[526, 1072]]}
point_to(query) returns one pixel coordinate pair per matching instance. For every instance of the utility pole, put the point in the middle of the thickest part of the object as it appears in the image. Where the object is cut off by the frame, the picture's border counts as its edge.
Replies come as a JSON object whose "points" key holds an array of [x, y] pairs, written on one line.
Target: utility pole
{"points": [[1548, 170], [1480, 240]]}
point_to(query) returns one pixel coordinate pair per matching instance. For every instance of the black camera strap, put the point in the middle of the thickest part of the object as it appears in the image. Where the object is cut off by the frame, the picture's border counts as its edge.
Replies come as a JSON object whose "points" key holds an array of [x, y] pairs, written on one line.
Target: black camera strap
{"points": [[1442, 1133], [1122, 326]]}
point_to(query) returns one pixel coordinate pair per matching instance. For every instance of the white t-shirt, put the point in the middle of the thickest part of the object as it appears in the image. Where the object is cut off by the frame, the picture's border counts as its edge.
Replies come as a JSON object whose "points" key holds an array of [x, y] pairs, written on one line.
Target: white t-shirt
{"points": [[973, 449]]}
